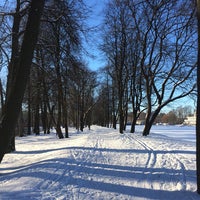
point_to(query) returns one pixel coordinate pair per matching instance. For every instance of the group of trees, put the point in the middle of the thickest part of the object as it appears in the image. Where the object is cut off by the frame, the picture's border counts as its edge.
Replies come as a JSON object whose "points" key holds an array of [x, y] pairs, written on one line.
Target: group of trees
{"points": [[56, 88], [175, 116], [151, 51], [150, 47], [19, 70]]}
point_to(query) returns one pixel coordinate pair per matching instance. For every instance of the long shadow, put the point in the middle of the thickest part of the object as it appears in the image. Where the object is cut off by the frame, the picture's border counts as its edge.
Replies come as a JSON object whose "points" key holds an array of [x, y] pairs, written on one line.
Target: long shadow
{"points": [[96, 169], [140, 151], [111, 189], [70, 168], [135, 191], [88, 150]]}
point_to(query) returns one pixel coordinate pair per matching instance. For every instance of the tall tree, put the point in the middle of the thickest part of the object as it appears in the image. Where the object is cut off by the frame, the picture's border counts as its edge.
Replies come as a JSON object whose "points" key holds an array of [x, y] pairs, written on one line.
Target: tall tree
{"points": [[198, 104], [15, 97], [14, 59], [147, 44], [167, 72], [117, 24], [59, 47]]}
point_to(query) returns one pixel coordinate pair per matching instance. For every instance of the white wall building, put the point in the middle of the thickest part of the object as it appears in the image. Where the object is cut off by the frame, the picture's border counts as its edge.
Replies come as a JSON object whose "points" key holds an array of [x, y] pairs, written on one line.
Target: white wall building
{"points": [[190, 120]]}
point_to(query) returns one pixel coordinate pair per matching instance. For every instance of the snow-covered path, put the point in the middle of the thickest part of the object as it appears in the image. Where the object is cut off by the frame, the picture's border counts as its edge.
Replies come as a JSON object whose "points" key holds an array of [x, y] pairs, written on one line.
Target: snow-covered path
{"points": [[99, 164]]}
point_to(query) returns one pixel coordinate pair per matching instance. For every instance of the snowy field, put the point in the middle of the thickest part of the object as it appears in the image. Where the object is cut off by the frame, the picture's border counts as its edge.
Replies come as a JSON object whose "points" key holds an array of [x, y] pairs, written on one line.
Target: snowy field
{"points": [[102, 164]]}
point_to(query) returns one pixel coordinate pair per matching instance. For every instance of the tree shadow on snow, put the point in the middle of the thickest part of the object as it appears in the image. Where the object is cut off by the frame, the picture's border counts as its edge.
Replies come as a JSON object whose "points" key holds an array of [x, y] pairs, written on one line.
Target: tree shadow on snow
{"points": [[107, 150], [76, 171]]}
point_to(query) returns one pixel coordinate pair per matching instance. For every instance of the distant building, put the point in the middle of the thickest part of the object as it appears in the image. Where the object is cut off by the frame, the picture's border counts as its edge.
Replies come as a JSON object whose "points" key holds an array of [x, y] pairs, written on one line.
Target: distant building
{"points": [[190, 120], [140, 120]]}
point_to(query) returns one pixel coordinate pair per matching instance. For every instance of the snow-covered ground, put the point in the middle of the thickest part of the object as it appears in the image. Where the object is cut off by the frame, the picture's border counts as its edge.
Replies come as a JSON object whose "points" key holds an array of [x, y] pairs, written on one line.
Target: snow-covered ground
{"points": [[102, 164]]}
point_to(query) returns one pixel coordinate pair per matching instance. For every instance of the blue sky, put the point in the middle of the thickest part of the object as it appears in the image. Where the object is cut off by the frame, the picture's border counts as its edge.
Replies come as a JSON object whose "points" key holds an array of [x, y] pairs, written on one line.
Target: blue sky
{"points": [[95, 61]]}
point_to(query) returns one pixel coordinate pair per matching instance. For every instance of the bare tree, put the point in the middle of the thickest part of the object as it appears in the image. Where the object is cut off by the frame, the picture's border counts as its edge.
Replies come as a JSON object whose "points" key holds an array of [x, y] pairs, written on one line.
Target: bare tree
{"points": [[147, 44], [81, 91], [15, 46], [167, 73], [14, 100], [115, 47], [198, 104]]}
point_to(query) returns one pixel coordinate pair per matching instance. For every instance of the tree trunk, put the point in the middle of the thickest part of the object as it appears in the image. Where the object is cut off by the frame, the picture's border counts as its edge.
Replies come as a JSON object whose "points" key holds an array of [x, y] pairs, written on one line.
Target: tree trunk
{"points": [[12, 70], [66, 129], [14, 101], [81, 123], [82, 119], [44, 116], [147, 128], [114, 121], [36, 129], [121, 121], [147, 125], [59, 84], [125, 118], [150, 120], [65, 113], [29, 110], [52, 119], [20, 126], [1, 96], [198, 105], [49, 120], [134, 120]]}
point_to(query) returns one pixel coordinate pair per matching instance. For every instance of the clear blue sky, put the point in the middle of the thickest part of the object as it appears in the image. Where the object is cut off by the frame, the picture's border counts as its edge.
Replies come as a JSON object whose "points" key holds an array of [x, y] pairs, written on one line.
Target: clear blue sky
{"points": [[95, 61]]}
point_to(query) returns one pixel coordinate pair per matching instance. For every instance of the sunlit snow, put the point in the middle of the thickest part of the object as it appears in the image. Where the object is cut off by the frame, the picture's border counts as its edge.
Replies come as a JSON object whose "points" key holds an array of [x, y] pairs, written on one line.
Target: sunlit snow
{"points": [[102, 164]]}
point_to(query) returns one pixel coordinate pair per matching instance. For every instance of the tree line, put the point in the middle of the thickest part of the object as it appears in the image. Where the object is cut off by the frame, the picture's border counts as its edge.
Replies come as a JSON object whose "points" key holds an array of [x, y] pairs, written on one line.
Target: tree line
{"points": [[55, 88], [150, 47]]}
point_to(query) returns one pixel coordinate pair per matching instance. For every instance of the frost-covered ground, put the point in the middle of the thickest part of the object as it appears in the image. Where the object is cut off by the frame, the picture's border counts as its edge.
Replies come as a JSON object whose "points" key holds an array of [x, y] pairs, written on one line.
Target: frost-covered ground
{"points": [[102, 164]]}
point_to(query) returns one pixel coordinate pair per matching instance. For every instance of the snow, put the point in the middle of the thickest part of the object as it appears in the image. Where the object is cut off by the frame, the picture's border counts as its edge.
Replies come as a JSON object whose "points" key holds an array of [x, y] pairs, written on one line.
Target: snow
{"points": [[102, 164]]}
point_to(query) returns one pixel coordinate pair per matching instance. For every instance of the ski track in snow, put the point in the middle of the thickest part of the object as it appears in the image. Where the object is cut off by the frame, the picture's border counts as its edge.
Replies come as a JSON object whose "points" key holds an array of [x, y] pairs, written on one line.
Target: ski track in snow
{"points": [[99, 164]]}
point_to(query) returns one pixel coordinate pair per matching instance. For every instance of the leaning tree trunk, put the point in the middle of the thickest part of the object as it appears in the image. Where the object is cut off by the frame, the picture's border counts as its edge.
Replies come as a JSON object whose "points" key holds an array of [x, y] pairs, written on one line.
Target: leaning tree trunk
{"points": [[150, 120], [14, 101], [147, 125], [12, 70]]}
